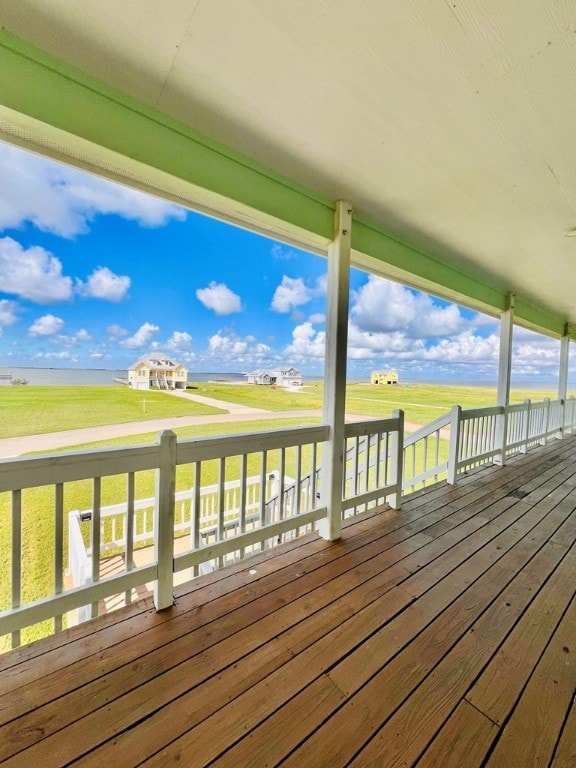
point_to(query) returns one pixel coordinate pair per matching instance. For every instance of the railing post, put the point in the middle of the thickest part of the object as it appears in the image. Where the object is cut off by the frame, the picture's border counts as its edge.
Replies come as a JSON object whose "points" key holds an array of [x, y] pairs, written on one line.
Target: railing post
{"points": [[164, 521], [397, 460], [563, 374], [526, 413], [454, 449], [337, 301], [546, 421], [501, 433]]}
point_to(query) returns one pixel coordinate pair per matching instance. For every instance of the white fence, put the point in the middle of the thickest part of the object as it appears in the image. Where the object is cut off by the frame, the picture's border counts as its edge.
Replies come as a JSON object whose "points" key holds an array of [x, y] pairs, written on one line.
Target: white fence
{"points": [[267, 488], [227, 498]]}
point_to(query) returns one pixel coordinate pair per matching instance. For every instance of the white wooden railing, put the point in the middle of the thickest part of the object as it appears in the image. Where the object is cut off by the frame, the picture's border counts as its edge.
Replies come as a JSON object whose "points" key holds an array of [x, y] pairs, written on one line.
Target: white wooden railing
{"points": [[268, 488], [243, 512]]}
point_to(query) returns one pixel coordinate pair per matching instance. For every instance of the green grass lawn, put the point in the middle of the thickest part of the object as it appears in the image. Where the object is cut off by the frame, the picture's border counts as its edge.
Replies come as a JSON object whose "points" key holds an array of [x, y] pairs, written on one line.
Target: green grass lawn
{"points": [[38, 410], [421, 403]]}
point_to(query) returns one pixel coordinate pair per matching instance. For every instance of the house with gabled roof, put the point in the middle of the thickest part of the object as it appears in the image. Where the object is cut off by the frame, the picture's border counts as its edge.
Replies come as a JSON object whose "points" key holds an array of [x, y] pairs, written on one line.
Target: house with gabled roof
{"points": [[157, 371], [281, 377]]}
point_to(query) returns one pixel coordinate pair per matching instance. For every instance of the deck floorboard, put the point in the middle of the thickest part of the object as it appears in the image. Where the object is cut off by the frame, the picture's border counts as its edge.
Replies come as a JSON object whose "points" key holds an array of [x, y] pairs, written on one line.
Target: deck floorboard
{"points": [[441, 634]]}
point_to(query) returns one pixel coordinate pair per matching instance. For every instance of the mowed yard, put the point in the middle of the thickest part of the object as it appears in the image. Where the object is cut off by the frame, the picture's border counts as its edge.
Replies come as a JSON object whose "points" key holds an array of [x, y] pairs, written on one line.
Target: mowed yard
{"points": [[37, 410]]}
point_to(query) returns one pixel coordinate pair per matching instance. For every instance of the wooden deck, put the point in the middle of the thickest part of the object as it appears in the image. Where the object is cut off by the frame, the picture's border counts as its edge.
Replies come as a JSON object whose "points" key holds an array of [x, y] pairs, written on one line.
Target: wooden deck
{"points": [[441, 635]]}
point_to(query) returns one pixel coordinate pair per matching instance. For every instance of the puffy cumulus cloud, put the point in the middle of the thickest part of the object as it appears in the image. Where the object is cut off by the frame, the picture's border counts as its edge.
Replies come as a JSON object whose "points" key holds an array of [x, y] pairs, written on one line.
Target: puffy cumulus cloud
{"points": [[317, 318], [181, 341], [46, 326], [32, 273], [293, 292], [465, 349], [383, 306], [74, 340], [8, 314], [104, 284], [219, 298], [306, 342], [116, 331], [225, 348], [221, 345], [62, 200], [141, 338], [63, 356]]}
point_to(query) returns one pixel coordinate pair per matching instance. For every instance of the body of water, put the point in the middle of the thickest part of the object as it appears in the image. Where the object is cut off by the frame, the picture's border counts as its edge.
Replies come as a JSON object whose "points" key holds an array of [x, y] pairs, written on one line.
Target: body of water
{"points": [[53, 377], [103, 376]]}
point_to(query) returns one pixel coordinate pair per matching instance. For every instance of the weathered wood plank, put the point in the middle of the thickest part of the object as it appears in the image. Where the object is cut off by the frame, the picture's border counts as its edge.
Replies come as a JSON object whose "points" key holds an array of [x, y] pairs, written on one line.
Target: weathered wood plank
{"points": [[464, 740], [530, 735]]}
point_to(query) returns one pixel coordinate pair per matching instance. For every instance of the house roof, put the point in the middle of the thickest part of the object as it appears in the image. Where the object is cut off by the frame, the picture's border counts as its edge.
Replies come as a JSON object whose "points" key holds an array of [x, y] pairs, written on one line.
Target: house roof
{"points": [[447, 126], [157, 361]]}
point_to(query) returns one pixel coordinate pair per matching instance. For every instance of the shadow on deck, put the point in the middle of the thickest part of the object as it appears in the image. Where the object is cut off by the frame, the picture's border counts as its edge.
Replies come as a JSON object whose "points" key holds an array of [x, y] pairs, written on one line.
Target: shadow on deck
{"points": [[440, 635]]}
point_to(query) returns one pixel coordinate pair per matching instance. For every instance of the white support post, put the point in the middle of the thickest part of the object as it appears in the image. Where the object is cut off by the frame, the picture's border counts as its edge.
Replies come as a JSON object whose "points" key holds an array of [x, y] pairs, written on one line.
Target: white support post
{"points": [[505, 357], [454, 448], [504, 375], [164, 521], [337, 300], [563, 374], [397, 460]]}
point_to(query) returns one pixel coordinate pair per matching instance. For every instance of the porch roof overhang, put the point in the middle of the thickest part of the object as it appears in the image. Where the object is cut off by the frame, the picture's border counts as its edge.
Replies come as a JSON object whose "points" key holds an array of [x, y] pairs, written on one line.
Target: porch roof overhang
{"points": [[448, 128]]}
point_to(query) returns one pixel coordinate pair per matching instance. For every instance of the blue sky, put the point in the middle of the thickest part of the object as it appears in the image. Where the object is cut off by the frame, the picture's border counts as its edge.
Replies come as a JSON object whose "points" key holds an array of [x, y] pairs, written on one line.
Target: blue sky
{"points": [[93, 274]]}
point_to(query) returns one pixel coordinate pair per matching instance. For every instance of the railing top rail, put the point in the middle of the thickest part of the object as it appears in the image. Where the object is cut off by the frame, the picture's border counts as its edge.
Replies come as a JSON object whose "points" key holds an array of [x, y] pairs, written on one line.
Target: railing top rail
{"points": [[371, 427], [478, 413], [35, 471], [205, 448], [428, 429]]}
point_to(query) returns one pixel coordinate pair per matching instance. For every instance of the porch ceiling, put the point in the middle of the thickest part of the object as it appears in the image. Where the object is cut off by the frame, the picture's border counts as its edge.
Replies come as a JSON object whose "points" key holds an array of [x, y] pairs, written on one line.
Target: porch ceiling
{"points": [[448, 126]]}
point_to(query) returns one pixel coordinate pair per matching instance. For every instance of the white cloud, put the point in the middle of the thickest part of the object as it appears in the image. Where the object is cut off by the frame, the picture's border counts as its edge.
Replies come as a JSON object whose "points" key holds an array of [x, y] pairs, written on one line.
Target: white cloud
{"points": [[114, 331], [8, 311], [141, 338], [383, 306], [317, 318], [104, 284], [46, 326], [62, 200], [60, 356], [228, 349], [306, 342], [71, 341], [226, 345], [219, 298], [32, 273], [180, 341], [293, 292]]}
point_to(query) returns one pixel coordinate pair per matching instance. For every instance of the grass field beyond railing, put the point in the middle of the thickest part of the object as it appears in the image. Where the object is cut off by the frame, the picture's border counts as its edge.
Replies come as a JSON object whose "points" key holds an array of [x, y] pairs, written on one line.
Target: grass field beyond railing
{"points": [[38, 410]]}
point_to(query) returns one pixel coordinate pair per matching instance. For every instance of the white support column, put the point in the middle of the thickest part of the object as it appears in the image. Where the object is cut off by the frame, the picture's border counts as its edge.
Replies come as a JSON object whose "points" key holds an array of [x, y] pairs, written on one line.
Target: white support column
{"points": [[505, 358], [164, 521], [564, 359], [563, 374], [337, 300], [504, 375]]}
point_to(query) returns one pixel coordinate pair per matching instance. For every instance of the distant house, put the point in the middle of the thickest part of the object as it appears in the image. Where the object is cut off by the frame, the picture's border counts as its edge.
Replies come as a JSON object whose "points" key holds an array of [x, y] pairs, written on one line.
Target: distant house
{"points": [[281, 377], [384, 377], [157, 371]]}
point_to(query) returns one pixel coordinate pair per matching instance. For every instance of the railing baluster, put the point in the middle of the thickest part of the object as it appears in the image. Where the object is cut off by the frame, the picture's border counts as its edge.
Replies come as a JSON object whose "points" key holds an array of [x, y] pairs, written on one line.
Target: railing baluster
{"points": [[263, 481], [129, 531], [281, 485], [313, 478], [58, 547], [95, 535], [16, 566]]}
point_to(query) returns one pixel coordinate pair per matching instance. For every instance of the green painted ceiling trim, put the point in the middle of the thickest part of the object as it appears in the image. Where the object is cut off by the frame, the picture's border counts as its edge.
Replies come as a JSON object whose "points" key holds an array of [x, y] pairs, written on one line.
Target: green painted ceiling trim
{"points": [[538, 317], [47, 89], [368, 239], [37, 84]]}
